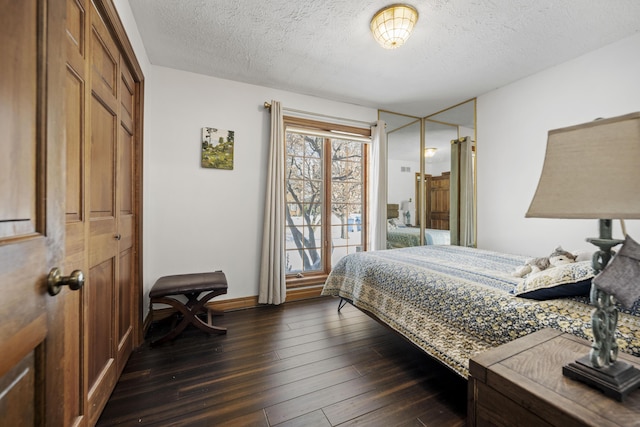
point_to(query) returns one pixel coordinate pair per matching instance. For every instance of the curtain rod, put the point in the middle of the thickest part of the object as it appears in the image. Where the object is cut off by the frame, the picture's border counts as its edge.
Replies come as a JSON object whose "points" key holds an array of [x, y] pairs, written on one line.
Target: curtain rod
{"points": [[267, 105]]}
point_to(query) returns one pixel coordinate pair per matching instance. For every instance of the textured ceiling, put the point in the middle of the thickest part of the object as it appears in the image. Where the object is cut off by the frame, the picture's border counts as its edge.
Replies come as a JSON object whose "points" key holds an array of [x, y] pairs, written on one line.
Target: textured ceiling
{"points": [[459, 48]]}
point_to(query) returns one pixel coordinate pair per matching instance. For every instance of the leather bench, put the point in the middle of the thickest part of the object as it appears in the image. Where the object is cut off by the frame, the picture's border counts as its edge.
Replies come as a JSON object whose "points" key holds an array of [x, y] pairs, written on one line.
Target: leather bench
{"points": [[190, 286]]}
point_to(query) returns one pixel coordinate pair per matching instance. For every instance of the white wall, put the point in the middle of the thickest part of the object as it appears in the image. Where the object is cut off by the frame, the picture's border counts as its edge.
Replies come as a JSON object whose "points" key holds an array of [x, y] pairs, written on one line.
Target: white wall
{"points": [[129, 23], [401, 185], [436, 168], [512, 127]]}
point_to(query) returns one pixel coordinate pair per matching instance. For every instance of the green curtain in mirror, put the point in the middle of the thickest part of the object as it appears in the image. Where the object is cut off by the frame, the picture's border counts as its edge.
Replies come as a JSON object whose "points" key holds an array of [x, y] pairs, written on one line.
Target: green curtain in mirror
{"points": [[462, 204]]}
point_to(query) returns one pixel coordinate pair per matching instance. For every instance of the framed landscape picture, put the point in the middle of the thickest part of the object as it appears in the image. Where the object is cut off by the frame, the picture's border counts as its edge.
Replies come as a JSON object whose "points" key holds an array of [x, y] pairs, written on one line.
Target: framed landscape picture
{"points": [[217, 148]]}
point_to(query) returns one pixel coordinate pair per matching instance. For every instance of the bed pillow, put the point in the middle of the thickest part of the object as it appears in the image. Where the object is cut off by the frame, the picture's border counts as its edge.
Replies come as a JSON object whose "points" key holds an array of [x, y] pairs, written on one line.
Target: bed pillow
{"points": [[562, 281], [397, 223]]}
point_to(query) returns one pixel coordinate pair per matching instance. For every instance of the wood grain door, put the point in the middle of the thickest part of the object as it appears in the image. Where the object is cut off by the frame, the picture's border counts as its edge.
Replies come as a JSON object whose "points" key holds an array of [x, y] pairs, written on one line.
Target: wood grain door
{"points": [[438, 208], [69, 198], [126, 217], [31, 197], [65, 377], [102, 215], [96, 327]]}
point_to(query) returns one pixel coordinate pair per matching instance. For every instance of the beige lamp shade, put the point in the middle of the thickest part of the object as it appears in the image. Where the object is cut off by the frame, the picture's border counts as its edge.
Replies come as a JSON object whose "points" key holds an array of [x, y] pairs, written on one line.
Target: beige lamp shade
{"points": [[591, 171], [392, 26]]}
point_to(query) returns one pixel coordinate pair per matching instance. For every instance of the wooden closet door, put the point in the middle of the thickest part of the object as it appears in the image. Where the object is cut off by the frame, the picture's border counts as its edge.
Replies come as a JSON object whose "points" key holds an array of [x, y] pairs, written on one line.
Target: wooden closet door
{"points": [[65, 344], [61, 354], [31, 198], [96, 328], [126, 217], [100, 311]]}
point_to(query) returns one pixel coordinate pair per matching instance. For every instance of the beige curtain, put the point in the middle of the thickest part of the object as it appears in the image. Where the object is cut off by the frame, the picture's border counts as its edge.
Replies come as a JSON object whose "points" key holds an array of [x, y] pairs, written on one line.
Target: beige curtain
{"points": [[378, 188], [462, 206], [273, 286]]}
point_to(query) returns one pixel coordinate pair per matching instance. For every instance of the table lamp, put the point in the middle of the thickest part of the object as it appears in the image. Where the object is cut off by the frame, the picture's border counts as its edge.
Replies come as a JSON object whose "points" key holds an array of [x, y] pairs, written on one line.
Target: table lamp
{"points": [[592, 171], [408, 207]]}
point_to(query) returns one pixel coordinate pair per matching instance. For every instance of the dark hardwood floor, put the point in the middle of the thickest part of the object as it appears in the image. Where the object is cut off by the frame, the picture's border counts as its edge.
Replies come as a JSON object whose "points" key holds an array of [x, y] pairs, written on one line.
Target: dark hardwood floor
{"points": [[298, 364]]}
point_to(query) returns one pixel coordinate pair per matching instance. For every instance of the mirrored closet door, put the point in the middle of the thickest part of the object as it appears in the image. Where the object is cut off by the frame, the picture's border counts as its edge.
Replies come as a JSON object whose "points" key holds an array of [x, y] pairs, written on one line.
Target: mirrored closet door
{"points": [[403, 163], [431, 196]]}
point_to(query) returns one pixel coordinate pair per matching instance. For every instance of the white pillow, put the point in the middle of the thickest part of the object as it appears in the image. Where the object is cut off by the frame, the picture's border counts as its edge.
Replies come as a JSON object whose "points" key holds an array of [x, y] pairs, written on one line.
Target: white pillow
{"points": [[397, 222], [565, 280]]}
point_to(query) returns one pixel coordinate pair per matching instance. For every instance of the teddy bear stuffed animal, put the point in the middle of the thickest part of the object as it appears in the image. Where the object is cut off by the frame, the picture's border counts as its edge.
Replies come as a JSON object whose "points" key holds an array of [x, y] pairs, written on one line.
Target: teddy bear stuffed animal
{"points": [[558, 257]]}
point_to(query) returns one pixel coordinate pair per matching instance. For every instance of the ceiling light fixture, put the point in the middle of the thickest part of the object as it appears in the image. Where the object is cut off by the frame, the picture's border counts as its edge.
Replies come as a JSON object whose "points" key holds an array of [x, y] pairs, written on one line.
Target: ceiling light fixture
{"points": [[391, 26], [430, 151]]}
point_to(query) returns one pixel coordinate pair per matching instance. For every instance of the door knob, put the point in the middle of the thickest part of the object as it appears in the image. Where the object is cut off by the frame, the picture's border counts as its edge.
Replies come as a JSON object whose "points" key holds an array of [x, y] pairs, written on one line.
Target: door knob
{"points": [[56, 281]]}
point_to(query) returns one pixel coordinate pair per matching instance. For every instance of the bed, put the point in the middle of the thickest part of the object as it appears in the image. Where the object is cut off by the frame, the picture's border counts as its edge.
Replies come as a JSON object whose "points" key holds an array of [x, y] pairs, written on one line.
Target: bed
{"points": [[402, 237], [454, 302]]}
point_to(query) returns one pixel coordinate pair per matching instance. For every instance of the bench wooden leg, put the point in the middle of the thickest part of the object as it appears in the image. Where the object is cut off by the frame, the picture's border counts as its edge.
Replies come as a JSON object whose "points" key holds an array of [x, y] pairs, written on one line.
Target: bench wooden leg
{"points": [[189, 310]]}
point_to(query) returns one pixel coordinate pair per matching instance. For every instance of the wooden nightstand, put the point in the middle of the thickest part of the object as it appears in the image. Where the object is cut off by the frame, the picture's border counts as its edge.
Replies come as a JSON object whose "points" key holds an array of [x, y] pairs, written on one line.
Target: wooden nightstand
{"points": [[521, 384]]}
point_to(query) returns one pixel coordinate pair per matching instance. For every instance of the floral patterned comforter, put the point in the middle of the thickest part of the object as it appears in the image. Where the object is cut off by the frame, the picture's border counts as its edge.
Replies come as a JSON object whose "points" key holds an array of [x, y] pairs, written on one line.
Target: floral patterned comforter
{"points": [[454, 302]]}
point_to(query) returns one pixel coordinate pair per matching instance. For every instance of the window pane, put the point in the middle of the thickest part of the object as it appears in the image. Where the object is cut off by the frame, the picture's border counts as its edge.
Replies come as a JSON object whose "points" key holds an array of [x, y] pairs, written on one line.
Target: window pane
{"points": [[337, 254], [295, 144], [314, 212], [355, 234], [355, 225], [349, 233], [355, 249], [313, 146], [303, 167], [355, 190], [313, 168], [347, 150], [294, 191], [300, 261], [339, 235], [304, 226], [355, 209], [346, 171], [295, 167], [346, 193], [338, 217], [313, 237], [293, 262], [292, 235], [312, 191]]}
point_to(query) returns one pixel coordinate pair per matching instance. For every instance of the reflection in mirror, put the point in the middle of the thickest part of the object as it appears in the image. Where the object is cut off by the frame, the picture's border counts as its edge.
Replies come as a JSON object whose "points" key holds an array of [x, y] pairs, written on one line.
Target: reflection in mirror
{"points": [[449, 188], [403, 162], [435, 188], [431, 177]]}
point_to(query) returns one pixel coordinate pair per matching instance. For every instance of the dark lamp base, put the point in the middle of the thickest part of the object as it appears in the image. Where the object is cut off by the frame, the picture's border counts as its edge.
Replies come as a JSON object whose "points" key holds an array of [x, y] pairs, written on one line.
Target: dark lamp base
{"points": [[616, 380]]}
